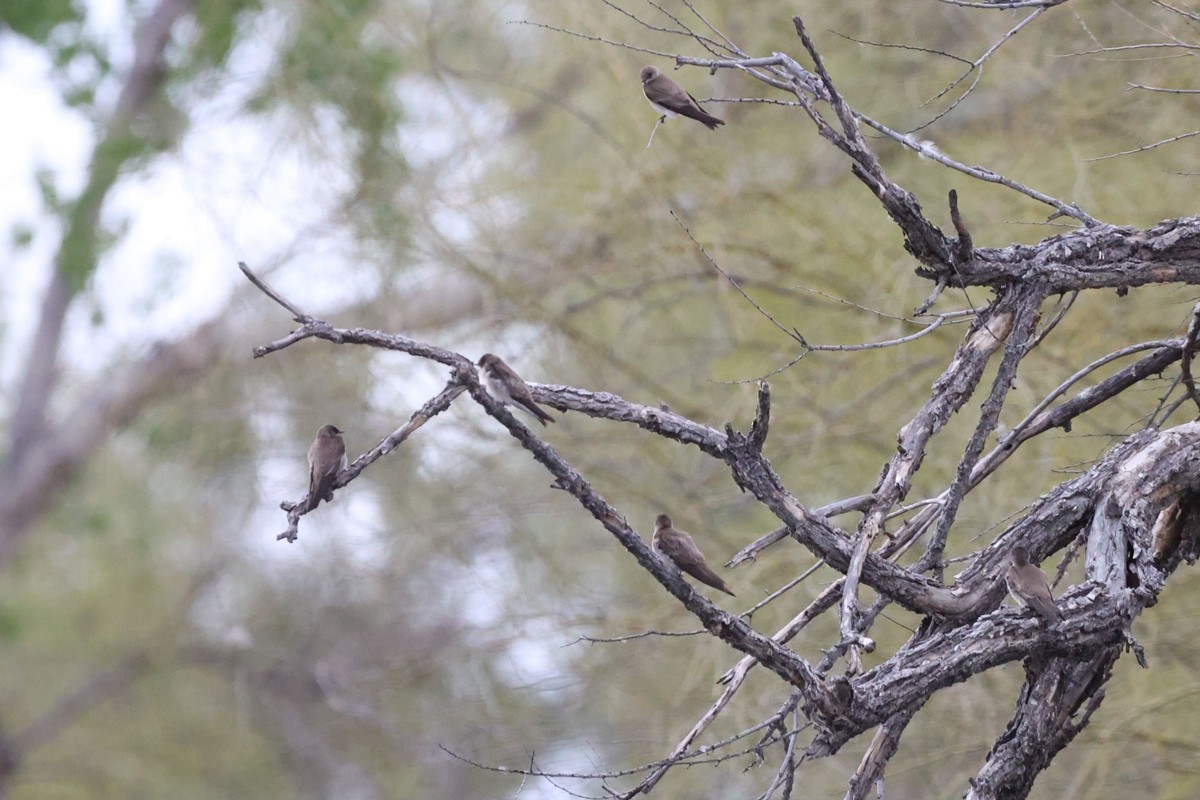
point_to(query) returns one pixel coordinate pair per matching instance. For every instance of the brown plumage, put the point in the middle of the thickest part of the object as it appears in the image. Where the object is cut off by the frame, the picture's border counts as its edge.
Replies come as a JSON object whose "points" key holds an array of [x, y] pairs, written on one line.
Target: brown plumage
{"points": [[326, 457], [679, 548], [670, 99], [509, 388], [1030, 587]]}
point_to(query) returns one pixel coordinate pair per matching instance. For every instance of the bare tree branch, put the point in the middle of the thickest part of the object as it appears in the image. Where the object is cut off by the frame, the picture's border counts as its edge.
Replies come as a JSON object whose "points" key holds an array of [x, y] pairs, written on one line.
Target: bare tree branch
{"points": [[91, 691], [77, 255], [61, 452], [1130, 513]]}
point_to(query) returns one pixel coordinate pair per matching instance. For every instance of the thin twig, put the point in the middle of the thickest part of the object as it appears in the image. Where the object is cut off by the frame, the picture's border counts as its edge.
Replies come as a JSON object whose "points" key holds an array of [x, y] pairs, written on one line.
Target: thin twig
{"points": [[631, 637], [791, 334], [1189, 351], [1145, 147], [297, 314], [654, 130]]}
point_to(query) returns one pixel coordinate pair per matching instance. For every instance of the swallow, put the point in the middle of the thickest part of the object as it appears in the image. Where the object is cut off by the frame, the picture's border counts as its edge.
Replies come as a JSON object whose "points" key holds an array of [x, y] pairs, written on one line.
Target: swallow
{"points": [[679, 549], [326, 457], [1029, 586], [670, 99], [508, 388]]}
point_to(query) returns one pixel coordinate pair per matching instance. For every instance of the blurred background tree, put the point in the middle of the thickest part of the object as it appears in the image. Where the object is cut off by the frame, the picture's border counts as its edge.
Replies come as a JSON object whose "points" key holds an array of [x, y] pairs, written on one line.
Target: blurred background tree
{"points": [[432, 169]]}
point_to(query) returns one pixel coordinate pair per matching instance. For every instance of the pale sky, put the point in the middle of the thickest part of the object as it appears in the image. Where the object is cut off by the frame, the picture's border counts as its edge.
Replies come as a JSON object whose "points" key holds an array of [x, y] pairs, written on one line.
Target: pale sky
{"points": [[233, 190]]}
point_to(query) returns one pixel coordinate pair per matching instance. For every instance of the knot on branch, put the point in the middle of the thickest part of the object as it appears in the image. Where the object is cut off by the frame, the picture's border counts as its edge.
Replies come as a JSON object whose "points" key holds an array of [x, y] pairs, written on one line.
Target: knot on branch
{"points": [[762, 419], [465, 374], [737, 449], [966, 249], [855, 640], [325, 330], [831, 708], [841, 692], [739, 446], [720, 624], [1132, 645]]}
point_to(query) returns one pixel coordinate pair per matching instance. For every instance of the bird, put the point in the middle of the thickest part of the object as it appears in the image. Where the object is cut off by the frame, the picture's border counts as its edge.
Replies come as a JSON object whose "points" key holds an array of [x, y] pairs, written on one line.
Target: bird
{"points": [[1030, 587], [508, 387], [670, 99], [326, 457], [677, 546]]}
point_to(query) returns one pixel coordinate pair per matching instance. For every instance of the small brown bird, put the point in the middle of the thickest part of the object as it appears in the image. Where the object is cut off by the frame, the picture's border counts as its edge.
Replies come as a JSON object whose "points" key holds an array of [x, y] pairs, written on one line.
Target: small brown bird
{"points": [[680, 550], [670, 99], [326, 457], [508, 387], [1029, 586]]}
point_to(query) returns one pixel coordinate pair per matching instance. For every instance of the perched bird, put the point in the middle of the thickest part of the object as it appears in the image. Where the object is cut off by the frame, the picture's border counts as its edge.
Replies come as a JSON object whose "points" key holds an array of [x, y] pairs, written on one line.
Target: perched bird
{"points": [[670, 99], [326, 456], [1030, 587], [680, 550], [508, 387]]}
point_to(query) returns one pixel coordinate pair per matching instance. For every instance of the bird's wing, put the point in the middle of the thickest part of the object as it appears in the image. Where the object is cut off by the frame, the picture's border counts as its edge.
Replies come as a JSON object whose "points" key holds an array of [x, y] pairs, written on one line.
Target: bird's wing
{"points": [[325, 458], [524, 398], [505, 372], [684, 552], [1037, 587], [536, 410], [679, 547], [312, 469], [668, 94], [1037, 582], [692, 110], [1042, 600]]}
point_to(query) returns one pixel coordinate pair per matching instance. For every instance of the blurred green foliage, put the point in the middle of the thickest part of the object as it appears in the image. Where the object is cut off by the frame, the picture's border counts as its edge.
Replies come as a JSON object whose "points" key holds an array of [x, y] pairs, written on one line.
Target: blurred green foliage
{"points": [[36, 19]]}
